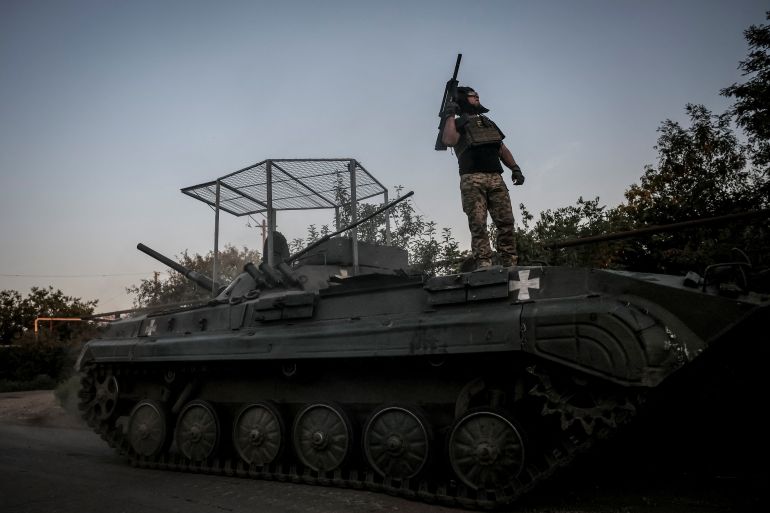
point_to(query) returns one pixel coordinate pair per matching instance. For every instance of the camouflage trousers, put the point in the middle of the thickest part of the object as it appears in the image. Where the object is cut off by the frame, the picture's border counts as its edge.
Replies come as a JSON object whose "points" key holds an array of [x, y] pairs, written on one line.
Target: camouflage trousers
{"points": [[484, 193]]}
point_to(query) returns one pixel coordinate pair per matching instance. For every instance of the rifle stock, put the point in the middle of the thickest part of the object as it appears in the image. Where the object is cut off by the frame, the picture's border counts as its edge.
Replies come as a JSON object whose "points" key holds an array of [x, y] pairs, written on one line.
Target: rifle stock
{"points": [[450, 91]]}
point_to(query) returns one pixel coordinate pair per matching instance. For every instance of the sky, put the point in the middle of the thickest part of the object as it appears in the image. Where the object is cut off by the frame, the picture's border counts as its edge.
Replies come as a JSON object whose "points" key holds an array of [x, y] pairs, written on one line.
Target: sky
{"points": [[108, 108]]}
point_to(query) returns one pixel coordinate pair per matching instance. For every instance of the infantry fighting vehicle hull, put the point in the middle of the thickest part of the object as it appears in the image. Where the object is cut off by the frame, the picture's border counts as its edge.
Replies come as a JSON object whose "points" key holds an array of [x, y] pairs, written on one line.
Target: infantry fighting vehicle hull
{"points": [[467, 389]]}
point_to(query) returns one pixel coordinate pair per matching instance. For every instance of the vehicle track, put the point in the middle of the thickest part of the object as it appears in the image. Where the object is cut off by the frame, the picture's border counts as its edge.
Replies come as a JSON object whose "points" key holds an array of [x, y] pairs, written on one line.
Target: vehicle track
{"points": [[447, 492]]}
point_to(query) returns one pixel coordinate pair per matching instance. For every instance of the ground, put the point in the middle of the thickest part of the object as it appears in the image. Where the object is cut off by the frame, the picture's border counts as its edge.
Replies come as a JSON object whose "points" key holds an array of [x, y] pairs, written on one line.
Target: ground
{"points": [[36, 408]]}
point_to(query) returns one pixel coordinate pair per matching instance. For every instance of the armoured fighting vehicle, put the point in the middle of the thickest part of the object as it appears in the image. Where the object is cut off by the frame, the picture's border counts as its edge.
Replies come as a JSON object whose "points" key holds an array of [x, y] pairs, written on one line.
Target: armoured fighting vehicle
{"points": [[467, 389]]}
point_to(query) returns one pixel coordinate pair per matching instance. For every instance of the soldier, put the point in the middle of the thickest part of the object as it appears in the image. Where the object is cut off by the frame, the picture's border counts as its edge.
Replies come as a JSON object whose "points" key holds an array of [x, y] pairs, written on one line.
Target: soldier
{"points": [[479, 147]]}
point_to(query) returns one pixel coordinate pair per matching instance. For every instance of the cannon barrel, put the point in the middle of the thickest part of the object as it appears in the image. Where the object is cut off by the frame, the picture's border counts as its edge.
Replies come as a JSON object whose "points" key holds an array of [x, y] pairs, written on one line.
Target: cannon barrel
{"points": [[323, 239], [657, 229], [201, 279]]}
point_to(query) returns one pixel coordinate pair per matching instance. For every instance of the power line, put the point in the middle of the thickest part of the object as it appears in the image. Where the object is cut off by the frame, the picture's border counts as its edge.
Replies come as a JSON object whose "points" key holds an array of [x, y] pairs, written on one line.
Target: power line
{"points": [[73, 275]]}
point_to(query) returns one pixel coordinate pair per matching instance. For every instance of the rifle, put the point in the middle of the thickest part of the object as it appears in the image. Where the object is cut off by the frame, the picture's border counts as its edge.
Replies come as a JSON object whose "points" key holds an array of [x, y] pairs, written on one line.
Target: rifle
{"points": [[450, 93]]}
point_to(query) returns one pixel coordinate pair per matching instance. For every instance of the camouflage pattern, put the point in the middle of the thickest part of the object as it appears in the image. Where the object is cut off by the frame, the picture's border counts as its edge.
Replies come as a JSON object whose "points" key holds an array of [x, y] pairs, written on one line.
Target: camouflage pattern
{"points": [[484, 193]]}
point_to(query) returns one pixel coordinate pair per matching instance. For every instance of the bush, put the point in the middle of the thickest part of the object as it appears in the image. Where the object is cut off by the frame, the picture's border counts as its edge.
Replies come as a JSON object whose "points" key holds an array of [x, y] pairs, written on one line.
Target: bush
{"points": [[32, 365]]}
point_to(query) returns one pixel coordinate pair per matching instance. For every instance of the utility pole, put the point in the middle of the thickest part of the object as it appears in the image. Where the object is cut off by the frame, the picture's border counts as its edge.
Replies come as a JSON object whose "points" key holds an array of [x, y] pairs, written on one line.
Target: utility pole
{"points": [[263, 227]]}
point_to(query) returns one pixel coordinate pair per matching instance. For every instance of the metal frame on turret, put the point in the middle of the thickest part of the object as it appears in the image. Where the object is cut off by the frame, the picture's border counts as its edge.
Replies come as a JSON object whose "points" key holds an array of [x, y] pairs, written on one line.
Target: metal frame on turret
{"points": [[290, 184]]}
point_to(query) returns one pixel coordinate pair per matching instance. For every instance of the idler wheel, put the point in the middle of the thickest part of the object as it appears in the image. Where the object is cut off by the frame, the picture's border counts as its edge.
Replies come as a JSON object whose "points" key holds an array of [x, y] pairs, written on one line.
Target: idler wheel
{"points": [[148, 428], [486, 449], [198, 431], [397, 442], [258, 433], [322, 437]]}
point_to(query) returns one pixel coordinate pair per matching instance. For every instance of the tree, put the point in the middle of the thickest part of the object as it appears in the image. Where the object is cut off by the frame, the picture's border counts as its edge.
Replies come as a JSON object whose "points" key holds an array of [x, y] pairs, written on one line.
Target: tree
{"points": [[584, 219], [435, 256], [18, 314], [701, 172], [752, 98], [175, 288]]}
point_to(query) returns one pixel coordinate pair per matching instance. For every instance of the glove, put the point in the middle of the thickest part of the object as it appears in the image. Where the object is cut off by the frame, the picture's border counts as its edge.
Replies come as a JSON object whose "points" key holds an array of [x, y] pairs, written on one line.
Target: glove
{"points": [[517, 177], [450, 109], [462, 121]]}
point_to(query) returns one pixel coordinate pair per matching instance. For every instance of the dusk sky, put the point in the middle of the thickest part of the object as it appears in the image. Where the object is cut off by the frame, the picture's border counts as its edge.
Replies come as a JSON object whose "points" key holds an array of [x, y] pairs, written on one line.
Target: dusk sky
{"points": [[108, 108]]}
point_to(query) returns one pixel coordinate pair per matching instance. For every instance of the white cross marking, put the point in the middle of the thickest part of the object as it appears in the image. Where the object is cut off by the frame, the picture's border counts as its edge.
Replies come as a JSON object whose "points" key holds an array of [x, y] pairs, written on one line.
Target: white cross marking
{"points": [[524, 284], [151, 328]]}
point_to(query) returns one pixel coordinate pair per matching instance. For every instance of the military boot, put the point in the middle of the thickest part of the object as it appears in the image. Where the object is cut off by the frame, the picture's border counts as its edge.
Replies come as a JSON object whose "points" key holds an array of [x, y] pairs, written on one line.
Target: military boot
{"points": [[509, 260], [483, 263]]}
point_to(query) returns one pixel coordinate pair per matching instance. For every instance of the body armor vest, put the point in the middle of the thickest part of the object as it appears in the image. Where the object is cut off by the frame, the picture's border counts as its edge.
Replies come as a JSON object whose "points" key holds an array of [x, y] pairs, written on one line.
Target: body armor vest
{"points": [[477, 131]]}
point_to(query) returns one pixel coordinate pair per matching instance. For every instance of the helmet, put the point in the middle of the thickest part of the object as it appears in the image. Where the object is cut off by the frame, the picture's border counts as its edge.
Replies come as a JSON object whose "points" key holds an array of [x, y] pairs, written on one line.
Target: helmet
{"points": [[465, 106]]}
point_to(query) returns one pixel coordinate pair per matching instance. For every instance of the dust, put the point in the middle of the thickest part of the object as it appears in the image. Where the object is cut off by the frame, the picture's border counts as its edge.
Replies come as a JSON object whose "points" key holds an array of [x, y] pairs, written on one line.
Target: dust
{"points": [[36, 408]]}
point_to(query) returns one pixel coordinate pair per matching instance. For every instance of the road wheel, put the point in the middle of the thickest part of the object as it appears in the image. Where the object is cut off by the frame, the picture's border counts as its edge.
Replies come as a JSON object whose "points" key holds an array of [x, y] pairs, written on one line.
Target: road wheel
{"points": [[486, 449], [148, 428], [322, 437], [397, 442], [198, 431], [258, 433]]}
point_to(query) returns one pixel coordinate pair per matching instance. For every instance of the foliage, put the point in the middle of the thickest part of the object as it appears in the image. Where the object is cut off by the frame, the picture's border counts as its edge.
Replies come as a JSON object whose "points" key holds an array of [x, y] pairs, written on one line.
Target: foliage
{"points": [[752, 98], [435, 256], [17, 313], [176, 288], [701, 172], [33, 365], [584, 219], [30, 363]]}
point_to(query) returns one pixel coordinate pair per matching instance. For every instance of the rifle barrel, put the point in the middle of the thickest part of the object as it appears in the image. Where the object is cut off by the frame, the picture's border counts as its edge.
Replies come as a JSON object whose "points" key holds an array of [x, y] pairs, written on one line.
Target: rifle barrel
{"points": [[457, 66]]}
